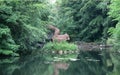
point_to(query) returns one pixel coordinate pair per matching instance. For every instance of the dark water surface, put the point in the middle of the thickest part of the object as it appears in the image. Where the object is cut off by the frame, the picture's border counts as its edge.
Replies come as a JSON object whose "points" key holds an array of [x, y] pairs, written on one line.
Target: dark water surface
{"points": [[82, 63]]}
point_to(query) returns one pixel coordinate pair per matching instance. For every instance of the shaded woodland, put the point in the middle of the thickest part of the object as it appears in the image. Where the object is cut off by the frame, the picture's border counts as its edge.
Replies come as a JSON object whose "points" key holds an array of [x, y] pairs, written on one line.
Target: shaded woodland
{"points": [[24, 24]]}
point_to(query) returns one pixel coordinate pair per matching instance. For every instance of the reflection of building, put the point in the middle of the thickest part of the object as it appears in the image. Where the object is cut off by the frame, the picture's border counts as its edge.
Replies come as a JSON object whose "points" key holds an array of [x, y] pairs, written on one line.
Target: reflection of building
{"points": [[58, 66]]}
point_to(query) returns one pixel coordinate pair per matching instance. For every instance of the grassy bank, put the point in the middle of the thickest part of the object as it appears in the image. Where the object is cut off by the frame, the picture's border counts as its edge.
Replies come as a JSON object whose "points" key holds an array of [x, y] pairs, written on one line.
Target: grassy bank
{"points": [[60, 46]]}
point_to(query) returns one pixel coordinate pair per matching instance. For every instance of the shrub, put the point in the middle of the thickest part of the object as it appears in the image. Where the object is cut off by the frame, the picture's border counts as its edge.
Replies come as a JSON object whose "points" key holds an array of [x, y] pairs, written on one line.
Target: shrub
{"points": [[60, 46]]}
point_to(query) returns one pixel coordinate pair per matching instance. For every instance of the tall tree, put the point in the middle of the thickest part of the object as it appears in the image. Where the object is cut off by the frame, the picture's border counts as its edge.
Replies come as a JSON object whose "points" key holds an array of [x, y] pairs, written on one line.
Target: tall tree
{"points": [[21, 24], [85, 20]]}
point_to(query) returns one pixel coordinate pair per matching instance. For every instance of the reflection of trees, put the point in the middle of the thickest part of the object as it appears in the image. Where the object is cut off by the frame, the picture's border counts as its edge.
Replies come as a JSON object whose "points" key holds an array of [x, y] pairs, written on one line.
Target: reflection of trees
{"points": [[28, 65], [7, 65], [116, 60], [32, 65], [60, 66], [90, 63], [35, 65]]}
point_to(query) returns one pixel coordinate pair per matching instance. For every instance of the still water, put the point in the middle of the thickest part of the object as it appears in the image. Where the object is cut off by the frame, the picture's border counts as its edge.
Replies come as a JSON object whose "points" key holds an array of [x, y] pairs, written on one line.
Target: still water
{"points": [[82, 63]]}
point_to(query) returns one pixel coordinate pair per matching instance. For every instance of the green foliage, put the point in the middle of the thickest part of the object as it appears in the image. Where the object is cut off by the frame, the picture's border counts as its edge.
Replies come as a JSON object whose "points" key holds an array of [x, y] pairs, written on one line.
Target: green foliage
{"points": [[114, 9], [115, 32], [8, 52], [22, 24], [59, 46], [85, 20], [7, 44]]}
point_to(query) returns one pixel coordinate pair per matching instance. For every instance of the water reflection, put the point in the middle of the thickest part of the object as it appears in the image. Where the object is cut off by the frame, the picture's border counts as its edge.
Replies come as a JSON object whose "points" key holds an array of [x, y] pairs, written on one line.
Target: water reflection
{"points": [[60, 66], [88, 63], [116, 60]]}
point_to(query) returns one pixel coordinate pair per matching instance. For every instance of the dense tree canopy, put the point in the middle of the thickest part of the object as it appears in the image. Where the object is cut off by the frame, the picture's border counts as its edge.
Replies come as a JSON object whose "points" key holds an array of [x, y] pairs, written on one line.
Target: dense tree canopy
{"points": [[115, 31], [21, 24], [85, 20], [24, 23]]}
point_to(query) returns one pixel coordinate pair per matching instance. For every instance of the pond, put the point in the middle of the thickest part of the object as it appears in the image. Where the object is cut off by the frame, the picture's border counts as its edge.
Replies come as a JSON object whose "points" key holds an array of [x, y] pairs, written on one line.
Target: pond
{"points": [[94, 62]]}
